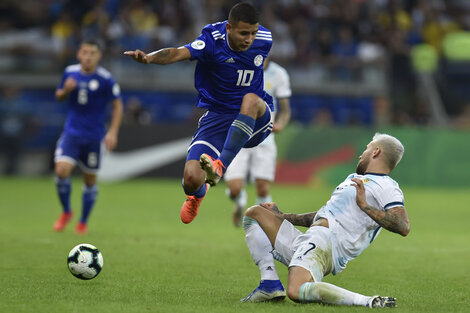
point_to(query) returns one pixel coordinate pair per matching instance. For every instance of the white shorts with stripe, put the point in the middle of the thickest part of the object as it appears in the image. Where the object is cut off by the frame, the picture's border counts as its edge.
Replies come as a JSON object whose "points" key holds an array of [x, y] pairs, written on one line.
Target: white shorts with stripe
{"points": [[310, 250], [257, 163]]}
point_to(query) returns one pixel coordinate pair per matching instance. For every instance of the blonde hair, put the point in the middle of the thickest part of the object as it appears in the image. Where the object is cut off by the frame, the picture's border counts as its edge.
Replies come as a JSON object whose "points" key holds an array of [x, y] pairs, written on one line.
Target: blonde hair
{"points": [[392, 148]]}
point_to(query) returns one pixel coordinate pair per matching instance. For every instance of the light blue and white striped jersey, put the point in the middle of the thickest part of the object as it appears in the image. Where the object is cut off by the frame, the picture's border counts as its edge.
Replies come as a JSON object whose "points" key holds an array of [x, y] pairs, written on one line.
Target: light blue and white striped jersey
{"points": [[88, 103], [352, 230], [223, 76]]}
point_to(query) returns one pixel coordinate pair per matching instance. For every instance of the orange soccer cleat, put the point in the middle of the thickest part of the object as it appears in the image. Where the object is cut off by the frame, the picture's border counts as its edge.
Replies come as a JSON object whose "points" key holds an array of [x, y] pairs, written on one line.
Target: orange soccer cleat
{"points": [[81, 228], [62, 221], [214, 168], [190, 207]]}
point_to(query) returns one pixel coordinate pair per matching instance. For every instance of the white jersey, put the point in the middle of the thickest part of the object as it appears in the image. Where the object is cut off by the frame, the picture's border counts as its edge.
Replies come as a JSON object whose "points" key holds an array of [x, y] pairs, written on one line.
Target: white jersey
{"points": [[260, 161], [352, 230], [276, 82]]}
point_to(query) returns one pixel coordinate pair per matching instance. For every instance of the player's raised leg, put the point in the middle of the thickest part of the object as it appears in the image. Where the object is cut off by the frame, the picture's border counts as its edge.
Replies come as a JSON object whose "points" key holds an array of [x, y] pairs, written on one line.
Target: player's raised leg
{"points": [[240, 132], [195, 188], [63, 187]]}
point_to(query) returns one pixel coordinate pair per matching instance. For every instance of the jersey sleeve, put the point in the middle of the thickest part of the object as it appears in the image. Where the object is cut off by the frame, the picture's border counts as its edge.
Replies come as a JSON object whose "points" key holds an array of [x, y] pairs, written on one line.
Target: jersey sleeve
{"points": [[389, 197], [201, 47], [114, 90]]}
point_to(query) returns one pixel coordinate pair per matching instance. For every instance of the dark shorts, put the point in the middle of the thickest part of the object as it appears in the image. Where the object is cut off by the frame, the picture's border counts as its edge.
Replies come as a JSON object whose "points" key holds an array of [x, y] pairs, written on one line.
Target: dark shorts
{"points": [[72, 149], [213, 129]]}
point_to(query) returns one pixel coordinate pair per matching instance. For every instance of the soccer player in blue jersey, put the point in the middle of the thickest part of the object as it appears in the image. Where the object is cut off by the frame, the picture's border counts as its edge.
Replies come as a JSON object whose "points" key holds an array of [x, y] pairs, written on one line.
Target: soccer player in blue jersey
{"points": [[229, 79], [88, 89]]}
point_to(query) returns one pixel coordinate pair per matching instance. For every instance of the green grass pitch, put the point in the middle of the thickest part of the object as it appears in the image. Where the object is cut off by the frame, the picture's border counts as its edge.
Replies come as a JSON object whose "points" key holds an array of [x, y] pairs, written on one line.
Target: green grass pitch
{"points": [[154, 263]]}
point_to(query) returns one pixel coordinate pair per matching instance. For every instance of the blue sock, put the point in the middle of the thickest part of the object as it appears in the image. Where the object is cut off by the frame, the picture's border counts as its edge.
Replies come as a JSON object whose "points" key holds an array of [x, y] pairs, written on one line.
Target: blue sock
{"points": [[201, 192], [88, 199], [238, 134], [63, 190]]}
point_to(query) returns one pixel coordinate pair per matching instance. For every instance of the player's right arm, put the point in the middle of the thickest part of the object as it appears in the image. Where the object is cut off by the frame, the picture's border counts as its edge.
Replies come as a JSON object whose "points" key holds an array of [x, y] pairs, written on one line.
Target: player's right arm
{"points": [[162, 56], [305, 219], [69, 85]]}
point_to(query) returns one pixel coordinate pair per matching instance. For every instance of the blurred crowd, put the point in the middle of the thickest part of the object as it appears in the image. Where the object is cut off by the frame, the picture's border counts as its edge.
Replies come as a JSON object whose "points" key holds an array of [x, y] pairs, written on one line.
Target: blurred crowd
{"points": [[340, 35], [305, 31]]}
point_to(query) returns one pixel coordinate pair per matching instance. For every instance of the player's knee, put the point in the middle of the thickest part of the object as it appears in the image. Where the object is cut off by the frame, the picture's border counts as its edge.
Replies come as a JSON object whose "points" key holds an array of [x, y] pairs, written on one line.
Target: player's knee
{"points": [[62, 171], [234, 191], [251, 104], [293, 293], [253, 212], [250, 99]]}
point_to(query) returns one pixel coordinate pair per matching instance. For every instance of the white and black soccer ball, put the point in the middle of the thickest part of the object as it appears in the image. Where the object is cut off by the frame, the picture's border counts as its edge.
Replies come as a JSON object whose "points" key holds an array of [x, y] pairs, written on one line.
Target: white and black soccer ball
{"points": [[85, 261]]}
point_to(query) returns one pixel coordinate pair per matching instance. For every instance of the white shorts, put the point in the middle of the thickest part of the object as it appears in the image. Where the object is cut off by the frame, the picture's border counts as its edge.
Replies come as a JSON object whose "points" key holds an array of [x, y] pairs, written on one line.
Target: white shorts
{"points": [[258, 162], [310, 250]]}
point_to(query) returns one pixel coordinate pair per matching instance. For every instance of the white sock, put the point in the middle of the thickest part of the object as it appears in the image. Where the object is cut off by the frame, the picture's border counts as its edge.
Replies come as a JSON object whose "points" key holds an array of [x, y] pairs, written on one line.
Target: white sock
{"points": [[239, 200], [330, 294], [260, 248], [266, 199]]}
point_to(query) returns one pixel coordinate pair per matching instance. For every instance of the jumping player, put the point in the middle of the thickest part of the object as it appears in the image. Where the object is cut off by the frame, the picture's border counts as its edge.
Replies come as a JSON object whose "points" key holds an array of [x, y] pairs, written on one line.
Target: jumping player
{"points": [[229, 79]]}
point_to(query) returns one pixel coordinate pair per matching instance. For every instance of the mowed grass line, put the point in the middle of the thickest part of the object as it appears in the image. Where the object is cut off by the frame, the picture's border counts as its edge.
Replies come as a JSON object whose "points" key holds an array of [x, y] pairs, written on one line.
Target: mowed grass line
{"points": [[154, 263]]}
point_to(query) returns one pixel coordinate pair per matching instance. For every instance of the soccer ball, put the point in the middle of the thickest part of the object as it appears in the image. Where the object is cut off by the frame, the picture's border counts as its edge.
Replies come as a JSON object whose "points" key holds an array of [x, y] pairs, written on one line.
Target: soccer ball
{"points": [[85, 261]]}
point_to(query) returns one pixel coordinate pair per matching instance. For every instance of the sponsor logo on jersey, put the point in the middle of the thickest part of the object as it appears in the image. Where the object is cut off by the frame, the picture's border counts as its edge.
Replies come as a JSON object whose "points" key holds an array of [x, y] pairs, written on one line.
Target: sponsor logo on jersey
{"points": [[198, 45], [230, 60], [258, 60]]}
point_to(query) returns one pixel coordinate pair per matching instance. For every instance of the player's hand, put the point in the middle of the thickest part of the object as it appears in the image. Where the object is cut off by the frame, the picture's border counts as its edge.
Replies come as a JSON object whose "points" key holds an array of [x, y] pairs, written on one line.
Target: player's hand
{"points": [[360, 193], [138, 56], [69, 84], [271, 206], [277, 128], [110, 141]]}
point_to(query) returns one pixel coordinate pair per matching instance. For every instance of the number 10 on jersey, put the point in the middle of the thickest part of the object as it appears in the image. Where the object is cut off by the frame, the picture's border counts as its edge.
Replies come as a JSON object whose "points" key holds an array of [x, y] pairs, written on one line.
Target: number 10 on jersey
{"points": [[245, 77]]}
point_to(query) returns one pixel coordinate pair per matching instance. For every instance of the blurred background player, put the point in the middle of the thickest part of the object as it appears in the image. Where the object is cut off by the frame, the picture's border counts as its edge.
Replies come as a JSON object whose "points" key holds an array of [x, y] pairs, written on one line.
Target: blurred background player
{"points": [[259, 163], [89, 89], [364, 203], [229, 79]]}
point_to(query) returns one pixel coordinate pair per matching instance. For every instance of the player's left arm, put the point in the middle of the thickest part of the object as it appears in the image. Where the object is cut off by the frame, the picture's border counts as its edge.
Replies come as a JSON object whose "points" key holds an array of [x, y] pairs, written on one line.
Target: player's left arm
{"points": [[111, 138], [304, 220], [394, 219], [283, 115]]}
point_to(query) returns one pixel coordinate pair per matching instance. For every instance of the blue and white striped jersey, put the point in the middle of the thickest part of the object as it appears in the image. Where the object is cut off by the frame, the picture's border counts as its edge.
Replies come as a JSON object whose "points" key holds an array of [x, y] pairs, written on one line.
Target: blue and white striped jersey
{"points": [[351, 228], [224, 76], [88, 103]]}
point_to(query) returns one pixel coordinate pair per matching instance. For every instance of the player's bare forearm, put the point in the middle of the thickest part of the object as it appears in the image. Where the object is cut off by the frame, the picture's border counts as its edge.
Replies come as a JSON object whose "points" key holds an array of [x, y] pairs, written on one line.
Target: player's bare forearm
{"points": [[116, 119], [162, 57], [169, 55], [60, 95], [283, 116], [304, 220], [394, 219]]}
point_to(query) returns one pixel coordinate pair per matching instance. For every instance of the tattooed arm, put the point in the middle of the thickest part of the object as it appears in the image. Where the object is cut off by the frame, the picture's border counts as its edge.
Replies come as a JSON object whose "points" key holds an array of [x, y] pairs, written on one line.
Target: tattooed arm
{"points": [[394, 219], [162, 56], [296, 219]]}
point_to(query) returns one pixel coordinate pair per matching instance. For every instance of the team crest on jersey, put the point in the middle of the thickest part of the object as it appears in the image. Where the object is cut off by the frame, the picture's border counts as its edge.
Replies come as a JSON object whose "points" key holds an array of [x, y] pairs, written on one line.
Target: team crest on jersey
{"points": [[198, 44], [258, 60], [93, 84]]}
